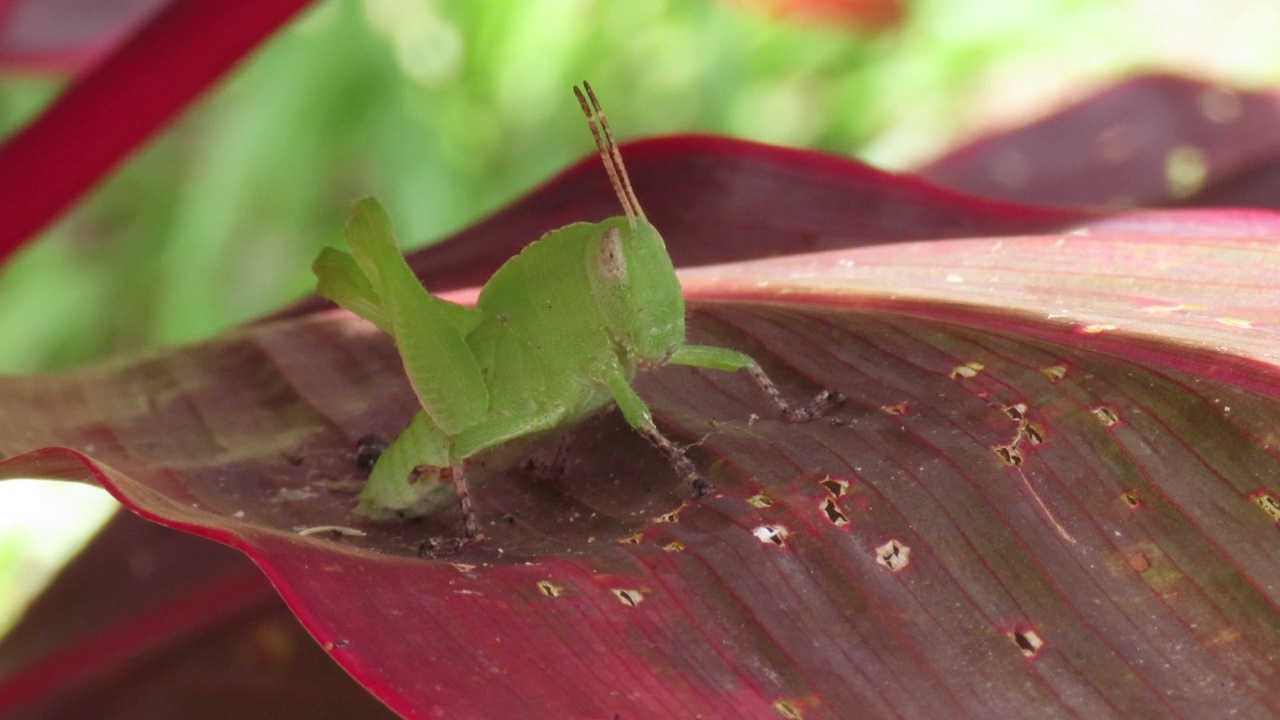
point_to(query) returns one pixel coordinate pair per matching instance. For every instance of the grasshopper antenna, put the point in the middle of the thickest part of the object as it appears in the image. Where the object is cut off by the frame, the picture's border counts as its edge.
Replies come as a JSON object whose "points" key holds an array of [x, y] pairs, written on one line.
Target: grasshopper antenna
{"points": [[609, 153]]}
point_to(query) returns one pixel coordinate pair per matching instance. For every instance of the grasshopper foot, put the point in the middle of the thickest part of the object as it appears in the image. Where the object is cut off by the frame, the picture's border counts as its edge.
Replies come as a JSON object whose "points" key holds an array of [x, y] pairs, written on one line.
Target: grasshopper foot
{"points": [[434, 546], [368, 449], [701, 488], [470, 525], [820, 405]]}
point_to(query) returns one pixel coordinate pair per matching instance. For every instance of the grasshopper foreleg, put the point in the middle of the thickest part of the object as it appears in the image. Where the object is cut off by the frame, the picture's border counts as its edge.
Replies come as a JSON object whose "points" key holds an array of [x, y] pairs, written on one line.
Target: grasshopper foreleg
{"points": [[681, 462]]}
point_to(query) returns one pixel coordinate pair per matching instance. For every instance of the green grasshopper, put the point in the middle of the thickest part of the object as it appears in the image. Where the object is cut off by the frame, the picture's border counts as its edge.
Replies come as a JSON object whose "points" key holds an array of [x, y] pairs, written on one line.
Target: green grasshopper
{"points": [[558, 333]]}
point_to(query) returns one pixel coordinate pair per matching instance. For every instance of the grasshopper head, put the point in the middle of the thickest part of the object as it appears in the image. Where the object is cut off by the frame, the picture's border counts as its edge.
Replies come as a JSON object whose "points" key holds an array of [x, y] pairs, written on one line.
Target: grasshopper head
{"points": [[637, 290]]}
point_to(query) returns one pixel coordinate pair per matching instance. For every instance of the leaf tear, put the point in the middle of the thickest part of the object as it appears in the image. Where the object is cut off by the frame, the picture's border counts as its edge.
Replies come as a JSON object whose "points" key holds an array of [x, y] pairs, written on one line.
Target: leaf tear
{"points": [[776, 534], [630, 598], [1028, 641]]}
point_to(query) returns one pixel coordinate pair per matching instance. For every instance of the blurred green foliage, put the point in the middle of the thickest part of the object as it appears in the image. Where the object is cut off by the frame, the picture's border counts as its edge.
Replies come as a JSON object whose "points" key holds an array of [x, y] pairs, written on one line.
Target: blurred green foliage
{"points": [[447, 109], [444, 110]]}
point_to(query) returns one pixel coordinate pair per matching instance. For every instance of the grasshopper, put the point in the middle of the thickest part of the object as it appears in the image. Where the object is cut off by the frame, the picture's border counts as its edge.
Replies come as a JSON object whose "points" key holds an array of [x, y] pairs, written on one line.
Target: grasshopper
{"points": [[558, 332]]}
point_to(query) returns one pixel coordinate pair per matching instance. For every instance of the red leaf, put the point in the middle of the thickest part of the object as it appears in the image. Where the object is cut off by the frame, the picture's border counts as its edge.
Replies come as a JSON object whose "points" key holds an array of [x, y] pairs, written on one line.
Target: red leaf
{"points": [[1051, 492], [1150, 140], [150, 623]]}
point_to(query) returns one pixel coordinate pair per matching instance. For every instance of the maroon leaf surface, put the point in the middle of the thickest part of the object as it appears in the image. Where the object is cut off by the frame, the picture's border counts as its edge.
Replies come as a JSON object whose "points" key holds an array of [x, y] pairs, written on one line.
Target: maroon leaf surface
{"points": [[1052, 492], [152, 623], [1149, 140]]}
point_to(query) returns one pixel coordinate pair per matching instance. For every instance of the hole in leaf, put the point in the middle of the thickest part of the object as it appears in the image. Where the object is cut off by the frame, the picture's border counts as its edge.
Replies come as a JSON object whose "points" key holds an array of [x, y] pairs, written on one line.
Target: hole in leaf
{"points": [[463, 567], [1132, 499], [1009, 454], [630, 598], [776, 534], [1033, 432], [760, 501], [967, 370], [1108, 416], [635, 539], [1028, 641], [671, 517], [550, 589], [836, 487], [1268, 502], [833, 513], [1015, 412], [674, 546], [1055, 372], [893, 555], [787, 710]]}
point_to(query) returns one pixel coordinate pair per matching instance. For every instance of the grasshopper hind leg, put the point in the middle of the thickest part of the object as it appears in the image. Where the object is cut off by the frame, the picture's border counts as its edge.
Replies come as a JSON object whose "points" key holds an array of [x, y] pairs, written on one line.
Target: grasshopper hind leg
{"points": [[470, 524]]}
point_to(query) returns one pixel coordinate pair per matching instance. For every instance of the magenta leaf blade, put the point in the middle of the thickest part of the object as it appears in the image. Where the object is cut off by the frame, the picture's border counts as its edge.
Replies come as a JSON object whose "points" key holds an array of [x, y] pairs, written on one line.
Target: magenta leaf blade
{"points": [[153, 623], [1147, 140], [889, 559]]}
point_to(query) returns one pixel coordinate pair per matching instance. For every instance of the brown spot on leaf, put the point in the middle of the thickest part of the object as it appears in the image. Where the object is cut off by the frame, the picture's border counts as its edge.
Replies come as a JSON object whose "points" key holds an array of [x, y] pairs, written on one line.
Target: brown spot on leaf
{"points": [[895, 409], [1139, 562]]}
